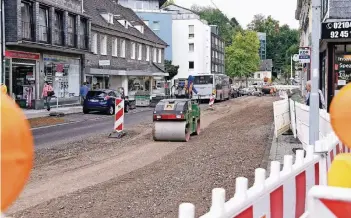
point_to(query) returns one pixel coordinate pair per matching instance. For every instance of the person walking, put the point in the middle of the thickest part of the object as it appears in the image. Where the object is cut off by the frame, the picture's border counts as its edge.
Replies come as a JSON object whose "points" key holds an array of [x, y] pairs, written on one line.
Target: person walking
{"points": [[322, 104], [47, 93], [83, 92]]}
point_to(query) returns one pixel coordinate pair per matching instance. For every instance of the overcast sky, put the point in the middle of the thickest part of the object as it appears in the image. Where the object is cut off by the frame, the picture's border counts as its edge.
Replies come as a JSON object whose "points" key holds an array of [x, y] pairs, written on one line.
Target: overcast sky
{"points": [[244, 10]]}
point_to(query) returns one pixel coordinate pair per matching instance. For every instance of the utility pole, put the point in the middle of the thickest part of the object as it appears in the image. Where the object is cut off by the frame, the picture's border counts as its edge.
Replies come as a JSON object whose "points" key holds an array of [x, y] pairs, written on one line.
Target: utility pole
{"points": [[314, 95]]}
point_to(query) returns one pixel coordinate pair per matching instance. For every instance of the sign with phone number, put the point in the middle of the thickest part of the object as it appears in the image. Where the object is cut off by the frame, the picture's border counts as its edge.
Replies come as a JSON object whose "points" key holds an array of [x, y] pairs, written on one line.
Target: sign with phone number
{"points": [[336, 30]]}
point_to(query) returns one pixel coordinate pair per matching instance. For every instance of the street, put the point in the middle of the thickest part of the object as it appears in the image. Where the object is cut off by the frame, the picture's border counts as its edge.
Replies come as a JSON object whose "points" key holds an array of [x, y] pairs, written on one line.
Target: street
{"points": [[95, 176]]}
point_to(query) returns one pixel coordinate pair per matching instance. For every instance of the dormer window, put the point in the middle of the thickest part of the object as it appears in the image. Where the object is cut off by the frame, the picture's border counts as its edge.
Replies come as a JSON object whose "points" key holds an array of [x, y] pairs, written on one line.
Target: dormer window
{"points": [[140, 28], [123, 23], [110, 18]]}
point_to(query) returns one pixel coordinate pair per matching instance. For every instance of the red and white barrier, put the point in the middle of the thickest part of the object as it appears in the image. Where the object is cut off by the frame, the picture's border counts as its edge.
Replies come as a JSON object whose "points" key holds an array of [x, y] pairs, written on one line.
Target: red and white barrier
{"points": [[119, 115], [283, 193], [212, 100]]}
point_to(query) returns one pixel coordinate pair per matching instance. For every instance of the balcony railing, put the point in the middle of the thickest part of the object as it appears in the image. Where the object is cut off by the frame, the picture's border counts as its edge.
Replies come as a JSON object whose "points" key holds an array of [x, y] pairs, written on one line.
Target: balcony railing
{"points": [[58, 37], [71, 39], [44, 33], [83, 44], [27, 30]]}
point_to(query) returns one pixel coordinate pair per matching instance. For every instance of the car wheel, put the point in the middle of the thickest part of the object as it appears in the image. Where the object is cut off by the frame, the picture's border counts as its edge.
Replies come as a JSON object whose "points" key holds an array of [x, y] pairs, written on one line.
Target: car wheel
{"points": [[126, 109], [85, 111], [111, 110]]}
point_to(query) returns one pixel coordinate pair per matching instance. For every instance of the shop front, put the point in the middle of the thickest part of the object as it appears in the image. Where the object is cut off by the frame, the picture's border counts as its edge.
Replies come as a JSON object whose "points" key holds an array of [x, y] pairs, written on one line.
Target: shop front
{"points": [[22, 77], [63, 73]]}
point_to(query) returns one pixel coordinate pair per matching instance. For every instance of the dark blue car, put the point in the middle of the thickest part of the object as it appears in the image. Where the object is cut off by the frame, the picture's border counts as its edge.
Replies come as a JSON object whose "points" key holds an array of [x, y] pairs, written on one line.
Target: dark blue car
{"points": [[103, 100]]}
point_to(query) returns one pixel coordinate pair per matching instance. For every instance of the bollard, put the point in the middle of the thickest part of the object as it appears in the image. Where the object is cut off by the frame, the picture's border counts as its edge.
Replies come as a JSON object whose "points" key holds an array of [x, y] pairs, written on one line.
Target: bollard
{"points": [[119, 119], [186, 210], [218, 200], [212, 100]]}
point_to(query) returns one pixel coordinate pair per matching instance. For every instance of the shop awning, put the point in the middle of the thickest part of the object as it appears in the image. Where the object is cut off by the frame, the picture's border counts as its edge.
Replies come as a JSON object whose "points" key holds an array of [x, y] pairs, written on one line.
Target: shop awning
{"points": [[148, 72]]}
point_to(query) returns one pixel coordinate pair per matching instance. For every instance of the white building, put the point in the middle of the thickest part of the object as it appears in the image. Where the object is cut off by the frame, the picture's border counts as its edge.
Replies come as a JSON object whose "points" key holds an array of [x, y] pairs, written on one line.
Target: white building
{"points": [[191, 42]]}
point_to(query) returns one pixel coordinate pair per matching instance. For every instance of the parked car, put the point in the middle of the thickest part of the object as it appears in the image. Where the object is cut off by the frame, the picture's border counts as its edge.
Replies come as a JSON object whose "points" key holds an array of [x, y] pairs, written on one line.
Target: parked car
{"points": [[103, 100]]}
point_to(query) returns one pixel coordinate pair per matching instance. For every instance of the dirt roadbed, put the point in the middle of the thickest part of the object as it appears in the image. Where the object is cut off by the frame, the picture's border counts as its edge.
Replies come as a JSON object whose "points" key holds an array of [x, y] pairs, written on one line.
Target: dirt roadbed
{"points": [[137, 177]]}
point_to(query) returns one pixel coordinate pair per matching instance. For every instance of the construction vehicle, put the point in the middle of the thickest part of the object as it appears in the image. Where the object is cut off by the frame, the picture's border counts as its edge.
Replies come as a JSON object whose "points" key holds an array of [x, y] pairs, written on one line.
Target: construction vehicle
{"points": [[177, 119]]}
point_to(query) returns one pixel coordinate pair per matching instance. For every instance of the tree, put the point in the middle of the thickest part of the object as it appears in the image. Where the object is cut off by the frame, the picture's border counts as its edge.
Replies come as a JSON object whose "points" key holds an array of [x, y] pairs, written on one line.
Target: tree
{"points": [[280, 40], [227, 27], [168, 2], [242, 58], [170, 69]]}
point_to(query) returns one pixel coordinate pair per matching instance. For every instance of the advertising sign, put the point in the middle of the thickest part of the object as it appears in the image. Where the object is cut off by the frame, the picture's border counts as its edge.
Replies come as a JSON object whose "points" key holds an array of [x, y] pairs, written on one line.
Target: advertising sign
{"points": [[304, 55], [336, 30]]}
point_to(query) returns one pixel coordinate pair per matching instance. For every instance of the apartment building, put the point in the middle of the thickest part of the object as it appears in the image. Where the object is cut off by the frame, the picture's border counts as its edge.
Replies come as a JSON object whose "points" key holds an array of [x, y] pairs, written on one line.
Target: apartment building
{"points": [[263, 45], [45, 41], [217, 51], [125, 52], [335, 46]]}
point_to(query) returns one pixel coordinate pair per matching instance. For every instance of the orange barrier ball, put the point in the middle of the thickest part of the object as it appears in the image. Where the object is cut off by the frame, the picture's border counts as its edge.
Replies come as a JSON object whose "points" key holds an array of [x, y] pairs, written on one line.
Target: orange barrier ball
{"points": [[16, 151], [340, 115]]}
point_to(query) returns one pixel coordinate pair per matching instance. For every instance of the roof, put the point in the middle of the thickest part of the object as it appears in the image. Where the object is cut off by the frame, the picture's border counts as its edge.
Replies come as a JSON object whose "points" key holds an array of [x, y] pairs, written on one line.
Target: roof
{"points": [[94, 9], [266, 65], [169, 8]]}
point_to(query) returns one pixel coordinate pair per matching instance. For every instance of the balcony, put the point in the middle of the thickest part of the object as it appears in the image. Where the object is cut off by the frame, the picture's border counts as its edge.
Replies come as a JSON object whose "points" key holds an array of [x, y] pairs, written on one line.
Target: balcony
{"points": [[71, 39], [27, 30], [84, 39], [44, 34], [58, 37]]}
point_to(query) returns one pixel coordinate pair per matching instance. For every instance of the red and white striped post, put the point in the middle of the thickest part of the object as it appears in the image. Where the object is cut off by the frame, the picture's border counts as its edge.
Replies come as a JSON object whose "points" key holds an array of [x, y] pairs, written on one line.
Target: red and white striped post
{"points": [[119, 119], [212, 99]]}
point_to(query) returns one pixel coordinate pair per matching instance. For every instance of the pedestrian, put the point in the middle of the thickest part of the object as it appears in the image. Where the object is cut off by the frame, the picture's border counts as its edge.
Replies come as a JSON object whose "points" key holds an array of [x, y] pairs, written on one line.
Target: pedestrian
{"points": [[47, 93], [83, 92], [322, 104]]}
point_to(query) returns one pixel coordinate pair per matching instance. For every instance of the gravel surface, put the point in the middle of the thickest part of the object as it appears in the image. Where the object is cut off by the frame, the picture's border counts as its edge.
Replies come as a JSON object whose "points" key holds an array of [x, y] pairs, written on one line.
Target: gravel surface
{"points": [[165, 174]]}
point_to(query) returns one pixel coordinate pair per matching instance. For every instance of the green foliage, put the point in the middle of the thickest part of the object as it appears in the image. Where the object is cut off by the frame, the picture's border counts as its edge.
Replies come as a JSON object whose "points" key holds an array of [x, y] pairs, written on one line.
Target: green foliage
{"points": [[171, 69], [282, 42], [168, 2], [227, 27], [242, 57]]}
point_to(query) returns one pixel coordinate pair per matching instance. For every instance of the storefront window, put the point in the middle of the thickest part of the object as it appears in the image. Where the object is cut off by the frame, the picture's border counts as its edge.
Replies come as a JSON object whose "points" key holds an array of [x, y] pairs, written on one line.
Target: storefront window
{"points": [[138, 84], [64, 75], [23, 84], [98, 81], [342, 70]]}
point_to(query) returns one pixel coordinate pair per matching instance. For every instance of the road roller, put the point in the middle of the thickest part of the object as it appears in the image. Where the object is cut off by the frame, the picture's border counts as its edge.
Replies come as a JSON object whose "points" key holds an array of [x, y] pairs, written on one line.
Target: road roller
{"points": [[176, 120]]}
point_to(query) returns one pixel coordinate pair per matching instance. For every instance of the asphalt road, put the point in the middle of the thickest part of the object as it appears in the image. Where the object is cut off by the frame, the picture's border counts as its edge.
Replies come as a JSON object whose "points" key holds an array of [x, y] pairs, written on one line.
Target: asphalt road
{"points": [[49, 137]]}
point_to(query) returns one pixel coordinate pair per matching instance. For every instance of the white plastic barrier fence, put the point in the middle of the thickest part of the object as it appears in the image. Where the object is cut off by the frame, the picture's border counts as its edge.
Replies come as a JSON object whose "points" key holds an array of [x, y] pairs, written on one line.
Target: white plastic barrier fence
{"points": [[328, 202], [286, 87], [281, 117], [293, 117], [282, 194]]}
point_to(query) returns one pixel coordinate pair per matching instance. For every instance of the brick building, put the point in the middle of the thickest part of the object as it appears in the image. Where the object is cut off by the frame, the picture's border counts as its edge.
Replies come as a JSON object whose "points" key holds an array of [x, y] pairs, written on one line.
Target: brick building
{"points": [[45, 41], [124, 51]]}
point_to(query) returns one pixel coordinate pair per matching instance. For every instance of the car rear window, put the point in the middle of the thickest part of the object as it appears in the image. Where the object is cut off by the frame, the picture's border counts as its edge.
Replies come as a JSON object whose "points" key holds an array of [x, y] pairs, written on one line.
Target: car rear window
{"points": [[100, 94]]}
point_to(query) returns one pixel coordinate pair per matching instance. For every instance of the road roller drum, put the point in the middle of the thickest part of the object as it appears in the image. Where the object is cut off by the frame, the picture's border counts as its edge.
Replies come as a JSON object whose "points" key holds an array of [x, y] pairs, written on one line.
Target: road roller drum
{"points": [[176, 120]]}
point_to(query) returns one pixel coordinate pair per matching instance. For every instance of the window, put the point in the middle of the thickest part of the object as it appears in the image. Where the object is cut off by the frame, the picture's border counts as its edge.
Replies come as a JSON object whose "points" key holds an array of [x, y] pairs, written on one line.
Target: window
{"points": [[258, 76], [147, 53], [103, 44], [216, 56], [155, 55], [191, 31], [27, 22], [132, 50], [43, 24], [58, 28], [123, 48], [146, 22], [191, 65], [140, 51], [83, 32], [191, 47], [216, 68], [216, 42], [114, 47], [159, 55], [94, 43], [71, 29], [139, 4], [110, 18], [156, 26], [213, 54], [212, 68]]}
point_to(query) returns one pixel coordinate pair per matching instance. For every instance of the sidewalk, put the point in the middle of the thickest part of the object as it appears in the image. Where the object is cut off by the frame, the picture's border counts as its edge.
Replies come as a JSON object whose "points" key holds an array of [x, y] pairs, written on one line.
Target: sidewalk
{"points": [[30, 114]]}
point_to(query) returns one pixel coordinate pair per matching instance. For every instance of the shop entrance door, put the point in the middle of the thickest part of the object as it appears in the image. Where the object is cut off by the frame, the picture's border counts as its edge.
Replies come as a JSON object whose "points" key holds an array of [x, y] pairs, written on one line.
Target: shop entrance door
{"points": [[23, 84]]}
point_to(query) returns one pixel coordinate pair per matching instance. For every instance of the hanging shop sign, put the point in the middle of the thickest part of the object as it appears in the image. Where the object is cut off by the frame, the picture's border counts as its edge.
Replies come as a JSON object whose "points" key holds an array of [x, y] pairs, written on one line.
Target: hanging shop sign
{"points": [[22, 55], [304, 55], [336, 30]]}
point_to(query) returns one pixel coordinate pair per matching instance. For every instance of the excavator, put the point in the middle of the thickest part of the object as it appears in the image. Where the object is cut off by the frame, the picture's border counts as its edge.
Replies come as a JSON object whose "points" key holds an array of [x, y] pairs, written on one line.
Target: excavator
{"points": [[177, 119]]}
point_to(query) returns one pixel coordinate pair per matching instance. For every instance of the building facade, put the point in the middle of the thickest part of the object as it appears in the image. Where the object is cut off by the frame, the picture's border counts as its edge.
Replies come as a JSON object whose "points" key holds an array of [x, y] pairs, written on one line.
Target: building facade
{"points": [[125, 52], [191, 40], [335, 46], [263, 45], [45, 41], [217, 51], [158, 20]]}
